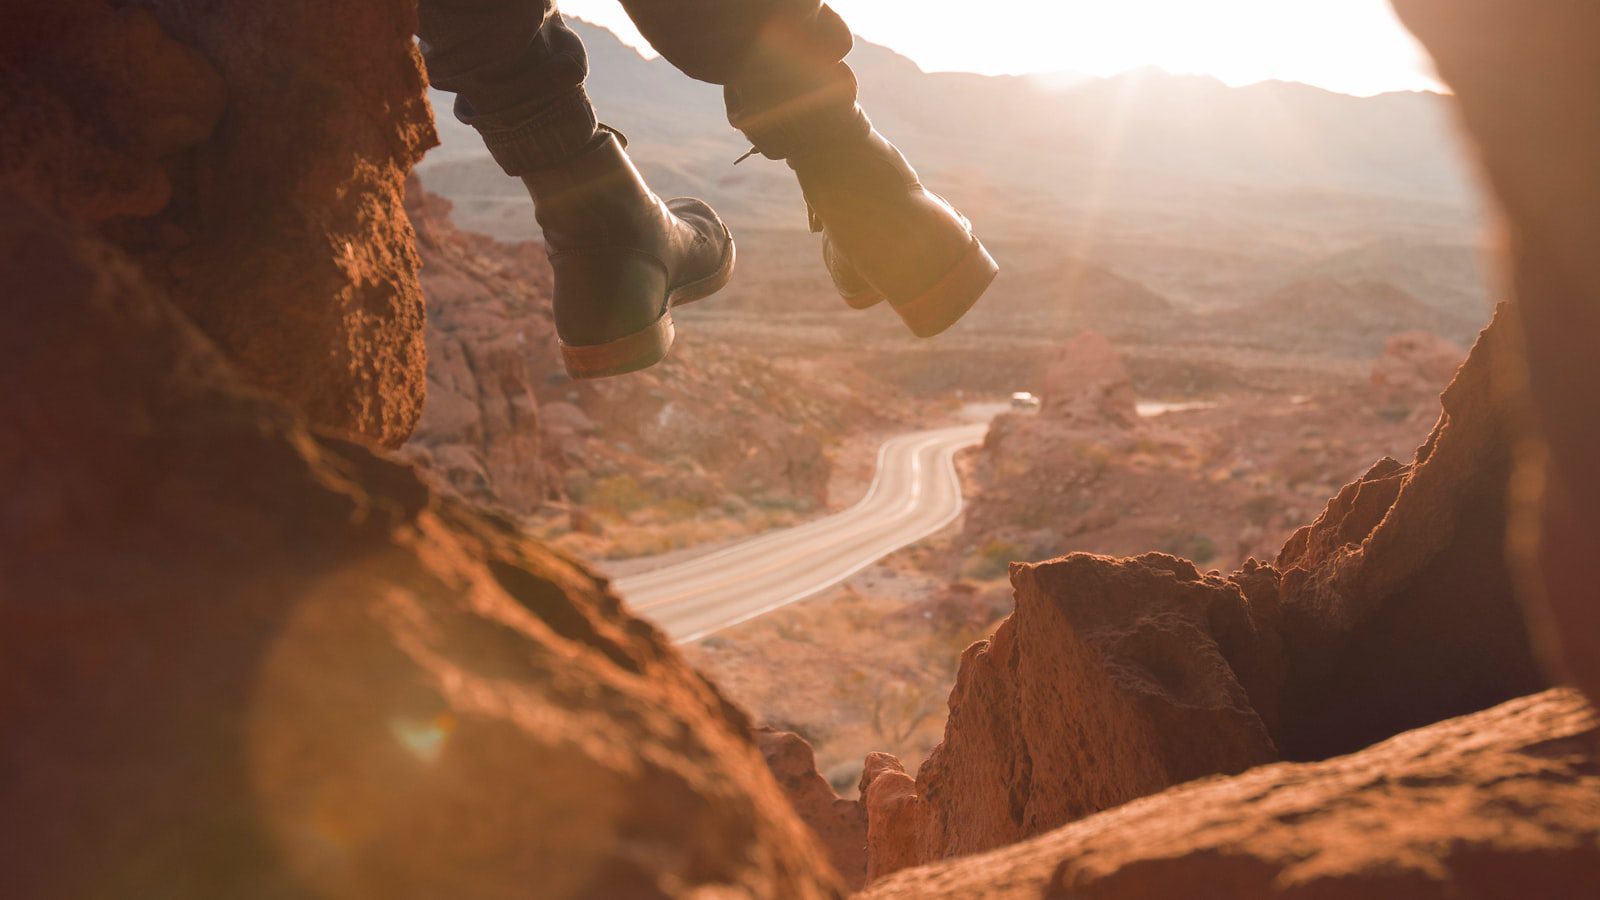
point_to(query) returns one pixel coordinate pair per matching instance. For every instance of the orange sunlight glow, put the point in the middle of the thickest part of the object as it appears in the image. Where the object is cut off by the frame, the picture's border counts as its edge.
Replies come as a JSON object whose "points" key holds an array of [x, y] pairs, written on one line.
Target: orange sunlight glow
{"points": [[1351, 46]]}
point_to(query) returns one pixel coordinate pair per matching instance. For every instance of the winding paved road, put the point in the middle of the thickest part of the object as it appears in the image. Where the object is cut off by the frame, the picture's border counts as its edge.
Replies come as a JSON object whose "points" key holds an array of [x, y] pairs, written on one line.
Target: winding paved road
{"points": [[914, 494]]}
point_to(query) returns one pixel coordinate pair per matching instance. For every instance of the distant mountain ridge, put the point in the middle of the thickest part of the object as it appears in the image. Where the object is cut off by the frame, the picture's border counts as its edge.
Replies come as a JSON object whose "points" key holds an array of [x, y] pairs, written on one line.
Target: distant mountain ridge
{"points": [[1125, 138], [1123, 203]]}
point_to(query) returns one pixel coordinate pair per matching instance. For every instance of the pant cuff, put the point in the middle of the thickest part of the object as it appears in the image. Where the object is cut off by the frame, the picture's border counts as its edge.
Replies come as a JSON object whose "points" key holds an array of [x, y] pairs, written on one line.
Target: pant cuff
{"points": [[526, 140], [801, 122]]}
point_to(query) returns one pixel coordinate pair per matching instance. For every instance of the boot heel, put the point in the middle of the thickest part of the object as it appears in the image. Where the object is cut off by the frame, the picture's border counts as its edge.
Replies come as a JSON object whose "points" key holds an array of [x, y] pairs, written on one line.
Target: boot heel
{"points": [[942, 305], [866, 299], [640, 350]]}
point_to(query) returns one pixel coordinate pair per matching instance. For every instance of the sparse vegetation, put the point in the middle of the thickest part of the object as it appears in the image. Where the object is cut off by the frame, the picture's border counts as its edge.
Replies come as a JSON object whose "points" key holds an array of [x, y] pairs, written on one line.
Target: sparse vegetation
{"points": [[992, 560], [1197, 548]]}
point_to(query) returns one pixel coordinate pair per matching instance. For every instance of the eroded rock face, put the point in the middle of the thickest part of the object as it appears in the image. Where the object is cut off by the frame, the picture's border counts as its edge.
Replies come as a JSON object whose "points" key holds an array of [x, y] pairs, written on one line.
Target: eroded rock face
{"points": [[1113, 679], [261, 150], [840, 824], [237, 660], [1398, 606], [492, 346], [1501, 804], [95, 99], [1528, 87]]}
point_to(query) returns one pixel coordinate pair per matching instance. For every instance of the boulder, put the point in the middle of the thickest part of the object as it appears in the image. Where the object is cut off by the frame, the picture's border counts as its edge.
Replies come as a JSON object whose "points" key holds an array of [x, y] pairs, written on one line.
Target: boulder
{"points": [[1498, 805], [1112, 680]]}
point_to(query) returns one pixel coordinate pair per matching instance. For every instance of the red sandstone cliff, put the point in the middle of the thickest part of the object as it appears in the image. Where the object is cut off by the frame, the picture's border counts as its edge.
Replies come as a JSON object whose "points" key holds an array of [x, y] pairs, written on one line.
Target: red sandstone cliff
{"points": [[240, 655]]}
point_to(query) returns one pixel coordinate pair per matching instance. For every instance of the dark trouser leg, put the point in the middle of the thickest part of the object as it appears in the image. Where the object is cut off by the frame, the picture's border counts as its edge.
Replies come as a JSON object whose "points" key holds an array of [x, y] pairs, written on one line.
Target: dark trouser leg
{"points": [[517, 72], [780, 62]]}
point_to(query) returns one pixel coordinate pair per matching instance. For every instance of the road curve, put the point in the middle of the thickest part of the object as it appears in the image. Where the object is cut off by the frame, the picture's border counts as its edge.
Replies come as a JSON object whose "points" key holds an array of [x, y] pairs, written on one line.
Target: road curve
{"points": [[915, 493]]}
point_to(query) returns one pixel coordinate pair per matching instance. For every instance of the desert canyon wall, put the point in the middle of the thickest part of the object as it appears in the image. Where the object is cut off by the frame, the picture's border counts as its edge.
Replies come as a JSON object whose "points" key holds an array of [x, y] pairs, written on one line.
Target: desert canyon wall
{"points": [[245, 654]]}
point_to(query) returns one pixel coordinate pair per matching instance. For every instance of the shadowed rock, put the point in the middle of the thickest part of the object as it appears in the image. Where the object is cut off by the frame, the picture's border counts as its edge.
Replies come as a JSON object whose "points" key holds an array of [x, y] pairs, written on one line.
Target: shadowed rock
{"points": [[239, 660], [491, 341], [1398, 606], [1528, 87]]}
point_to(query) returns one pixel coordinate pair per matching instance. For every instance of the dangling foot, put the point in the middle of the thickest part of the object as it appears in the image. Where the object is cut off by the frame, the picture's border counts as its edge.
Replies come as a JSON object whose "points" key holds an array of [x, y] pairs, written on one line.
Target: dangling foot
{"points": [[622, 258], [885, 236]]}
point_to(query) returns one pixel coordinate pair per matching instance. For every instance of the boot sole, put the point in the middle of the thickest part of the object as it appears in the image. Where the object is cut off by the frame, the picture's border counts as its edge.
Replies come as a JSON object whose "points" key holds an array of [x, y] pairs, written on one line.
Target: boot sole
{"points": [[651, 344], [941, 306], [867, 299]]}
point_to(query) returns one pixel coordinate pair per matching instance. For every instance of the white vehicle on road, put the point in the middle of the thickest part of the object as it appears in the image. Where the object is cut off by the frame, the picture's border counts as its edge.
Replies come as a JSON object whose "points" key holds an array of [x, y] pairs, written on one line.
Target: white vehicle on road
{"points": [[1024, 400]]}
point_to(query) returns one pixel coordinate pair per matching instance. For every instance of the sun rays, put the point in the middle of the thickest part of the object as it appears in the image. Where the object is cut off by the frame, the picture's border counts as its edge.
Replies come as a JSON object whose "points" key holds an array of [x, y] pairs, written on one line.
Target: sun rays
{"points": [[1351, 46]]}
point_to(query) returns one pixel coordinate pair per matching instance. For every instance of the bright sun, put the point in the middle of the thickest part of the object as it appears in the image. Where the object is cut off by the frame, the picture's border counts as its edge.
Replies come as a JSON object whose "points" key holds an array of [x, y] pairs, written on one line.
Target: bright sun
{"points": [[1353, 46]]}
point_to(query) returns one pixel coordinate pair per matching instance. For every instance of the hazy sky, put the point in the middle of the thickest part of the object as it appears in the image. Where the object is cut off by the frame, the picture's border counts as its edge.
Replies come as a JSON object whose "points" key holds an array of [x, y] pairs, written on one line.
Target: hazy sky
{"points": [[1354, 46]]}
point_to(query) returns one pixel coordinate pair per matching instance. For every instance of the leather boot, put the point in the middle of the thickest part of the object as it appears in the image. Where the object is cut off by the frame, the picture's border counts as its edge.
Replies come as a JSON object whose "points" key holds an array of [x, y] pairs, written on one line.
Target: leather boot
{"points": [[885, 236], [622, 258]]}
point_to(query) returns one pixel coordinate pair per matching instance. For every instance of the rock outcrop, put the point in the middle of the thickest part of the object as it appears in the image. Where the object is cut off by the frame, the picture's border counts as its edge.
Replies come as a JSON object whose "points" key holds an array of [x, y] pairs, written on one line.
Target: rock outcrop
{"points": [[1528, 87], [1087, 384], [840, 824], [251, 158], [1398, 606], [241, 660], [491, 349], [1113, 679], [241, 655], [1500, 804]]}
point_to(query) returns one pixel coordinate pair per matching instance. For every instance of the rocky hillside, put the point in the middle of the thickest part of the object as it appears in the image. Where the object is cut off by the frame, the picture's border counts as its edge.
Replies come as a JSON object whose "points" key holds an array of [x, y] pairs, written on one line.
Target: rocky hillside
{"points": [[1215, 481]]}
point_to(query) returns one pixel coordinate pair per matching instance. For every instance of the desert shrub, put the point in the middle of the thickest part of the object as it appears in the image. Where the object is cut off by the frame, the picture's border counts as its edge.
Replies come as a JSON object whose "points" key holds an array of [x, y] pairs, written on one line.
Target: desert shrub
{"points": [[619, 495], [1260, 509], [1096, 456], [676, 509], [993, 559], [845, 778], [899, 707], [790, 629], [1196, 548]]}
